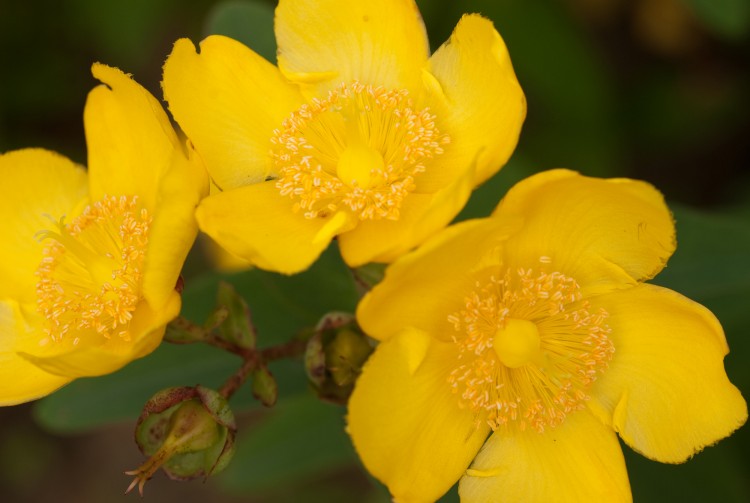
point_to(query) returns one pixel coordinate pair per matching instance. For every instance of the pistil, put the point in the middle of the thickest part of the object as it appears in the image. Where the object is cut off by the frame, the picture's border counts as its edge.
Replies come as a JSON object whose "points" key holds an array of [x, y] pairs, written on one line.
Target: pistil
{"points": [[516, 343]]}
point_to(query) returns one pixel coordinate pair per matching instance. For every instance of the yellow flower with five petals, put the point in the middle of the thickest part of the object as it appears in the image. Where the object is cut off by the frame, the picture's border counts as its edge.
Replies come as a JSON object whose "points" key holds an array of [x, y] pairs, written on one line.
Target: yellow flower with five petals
{"points": [[514, 349], [90, 261], [358, 133]]}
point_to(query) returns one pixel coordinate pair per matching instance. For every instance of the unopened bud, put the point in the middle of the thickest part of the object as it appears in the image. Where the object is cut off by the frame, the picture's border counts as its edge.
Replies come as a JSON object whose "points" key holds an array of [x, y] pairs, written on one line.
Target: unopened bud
{"points": [[181, 331], [345, 356], [187, 432], [315, 359], [237, 328], [334, 356], [217, 317], [264, 387]]}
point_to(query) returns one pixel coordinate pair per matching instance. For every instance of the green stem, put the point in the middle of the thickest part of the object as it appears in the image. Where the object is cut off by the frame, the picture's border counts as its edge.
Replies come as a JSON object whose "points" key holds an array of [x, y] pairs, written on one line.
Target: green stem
{"points": [[254, 359]]}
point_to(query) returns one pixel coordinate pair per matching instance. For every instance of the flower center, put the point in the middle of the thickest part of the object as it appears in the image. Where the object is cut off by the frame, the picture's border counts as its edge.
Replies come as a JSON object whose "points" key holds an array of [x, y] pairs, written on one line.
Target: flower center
{"points": [[529, 349], [359, 149], [90, 276], [360, 165], [516, 343]]}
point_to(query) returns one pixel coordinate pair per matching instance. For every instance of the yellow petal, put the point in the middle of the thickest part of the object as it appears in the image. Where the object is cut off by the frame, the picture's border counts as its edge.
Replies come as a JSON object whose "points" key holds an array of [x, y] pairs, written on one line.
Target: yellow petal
{"points": [[424, 287], [129, 137], [94, 356], [666, 391], [477, 98], [228, 100], [422, 215], [20, 381], [405, 422], [39, 188], [380, 43], [258, 224], [600, 232], [578, 461], [174, 228]]}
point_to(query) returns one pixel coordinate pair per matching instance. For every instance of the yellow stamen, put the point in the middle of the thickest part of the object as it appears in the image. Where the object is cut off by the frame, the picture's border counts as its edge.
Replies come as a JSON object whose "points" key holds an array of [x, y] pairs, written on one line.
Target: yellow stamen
{"points": [[530, 348], [90, 276], [359, 149]]}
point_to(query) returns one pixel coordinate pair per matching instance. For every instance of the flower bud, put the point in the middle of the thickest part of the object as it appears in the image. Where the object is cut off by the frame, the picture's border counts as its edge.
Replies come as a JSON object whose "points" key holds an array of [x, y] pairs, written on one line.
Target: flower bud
{"points": [[264, 387], [237, 328], [181, 331], [315, 360], [334, 357], [188, 432], [345, 355], [216, 318]]}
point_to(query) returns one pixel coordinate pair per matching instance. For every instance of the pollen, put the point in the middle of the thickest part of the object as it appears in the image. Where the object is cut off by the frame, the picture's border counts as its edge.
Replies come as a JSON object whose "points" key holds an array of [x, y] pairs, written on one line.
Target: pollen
{"points": [[529, 348], [360, 149], [89, 280]]}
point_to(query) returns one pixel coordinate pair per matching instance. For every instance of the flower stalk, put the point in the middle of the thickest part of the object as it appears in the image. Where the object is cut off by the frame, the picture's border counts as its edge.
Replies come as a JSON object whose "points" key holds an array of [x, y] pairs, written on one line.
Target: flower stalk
{"points": [[254, 360]]}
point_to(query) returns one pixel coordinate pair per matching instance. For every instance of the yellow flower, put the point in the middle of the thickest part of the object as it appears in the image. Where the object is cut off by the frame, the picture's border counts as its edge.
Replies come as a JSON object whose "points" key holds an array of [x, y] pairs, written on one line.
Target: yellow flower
{"points": [[535, 327], [358, 133], [89, 263]]}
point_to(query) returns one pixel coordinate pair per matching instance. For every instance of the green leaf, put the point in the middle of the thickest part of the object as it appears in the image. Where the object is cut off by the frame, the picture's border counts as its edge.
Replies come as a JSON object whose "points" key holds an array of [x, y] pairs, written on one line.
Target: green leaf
{"points": [[296, 442], [727, 18], [250, 22], [122, 30], [716, 474], [281, 307], [711, 264]]}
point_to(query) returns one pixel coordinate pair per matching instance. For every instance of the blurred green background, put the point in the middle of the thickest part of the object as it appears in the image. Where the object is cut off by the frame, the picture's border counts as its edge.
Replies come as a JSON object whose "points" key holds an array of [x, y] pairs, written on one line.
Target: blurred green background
{"points": [[651, 89]]}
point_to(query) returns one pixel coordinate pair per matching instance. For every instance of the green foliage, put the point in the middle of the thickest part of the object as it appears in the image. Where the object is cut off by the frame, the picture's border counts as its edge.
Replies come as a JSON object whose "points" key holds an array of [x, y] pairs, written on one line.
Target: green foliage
{"points": [[293, 443], [716, 474], [250, 22], [121, 26], [571, 120], [727, 18]]}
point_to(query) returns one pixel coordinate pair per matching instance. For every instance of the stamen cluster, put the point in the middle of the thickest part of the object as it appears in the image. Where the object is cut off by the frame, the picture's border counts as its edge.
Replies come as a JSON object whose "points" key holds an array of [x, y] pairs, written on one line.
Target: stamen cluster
{"points": [[90, 276], [308, 146], [574, 349]]}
